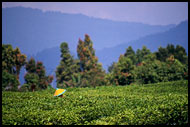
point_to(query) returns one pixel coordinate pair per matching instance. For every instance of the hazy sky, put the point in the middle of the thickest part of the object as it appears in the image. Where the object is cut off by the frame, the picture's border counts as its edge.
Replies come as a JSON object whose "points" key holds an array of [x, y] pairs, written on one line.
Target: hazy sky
{"points": [[155, 13]]}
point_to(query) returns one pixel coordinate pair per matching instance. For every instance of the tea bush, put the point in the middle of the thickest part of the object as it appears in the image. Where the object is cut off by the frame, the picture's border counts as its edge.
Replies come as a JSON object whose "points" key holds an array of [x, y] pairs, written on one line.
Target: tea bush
{"points": [[163, 103]]}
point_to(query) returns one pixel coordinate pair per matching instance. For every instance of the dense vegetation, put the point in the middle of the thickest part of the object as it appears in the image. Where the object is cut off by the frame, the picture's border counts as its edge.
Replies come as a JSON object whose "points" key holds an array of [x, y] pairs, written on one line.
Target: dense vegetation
{"points": [[12, 61], [151, 104], [142, 67], [125, 95], [83, 72]]}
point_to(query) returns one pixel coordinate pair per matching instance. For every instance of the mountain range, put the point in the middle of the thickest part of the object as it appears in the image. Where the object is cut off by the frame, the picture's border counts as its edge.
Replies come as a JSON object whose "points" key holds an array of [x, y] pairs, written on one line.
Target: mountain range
{"points": [[39, 34]]}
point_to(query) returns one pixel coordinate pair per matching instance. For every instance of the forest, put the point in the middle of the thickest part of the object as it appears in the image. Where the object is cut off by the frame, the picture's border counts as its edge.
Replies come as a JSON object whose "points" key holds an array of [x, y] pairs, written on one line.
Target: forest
{"points": [[140, 67]]}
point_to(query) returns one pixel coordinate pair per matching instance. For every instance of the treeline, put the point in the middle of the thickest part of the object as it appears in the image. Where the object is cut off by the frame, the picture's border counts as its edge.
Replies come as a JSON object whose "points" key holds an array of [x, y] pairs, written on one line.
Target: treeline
{"points": [[12, 61], [82, 72], [141, 67]]}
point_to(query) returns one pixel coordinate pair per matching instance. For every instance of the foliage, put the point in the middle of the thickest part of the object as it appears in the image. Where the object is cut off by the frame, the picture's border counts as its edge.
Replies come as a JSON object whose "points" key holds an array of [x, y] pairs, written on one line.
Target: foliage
{"points": [[147, 72], [150, 67], [25, 88], [151, 104], [153, 71], [130, 53], [122, 73], [9, 81], [179, 53], [68, 66], [175, 69], [8, 58], [32, 79], [76, 78], [41, 72], [20, 60], [140, 54], [36, 75], [162, 54], [12, 61], [92, 73], [111, 67], [31, 66]]}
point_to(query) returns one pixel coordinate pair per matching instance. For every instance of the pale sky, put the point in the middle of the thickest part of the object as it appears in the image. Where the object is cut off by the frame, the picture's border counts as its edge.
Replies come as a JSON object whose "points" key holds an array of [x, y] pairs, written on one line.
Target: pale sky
{"points": [[154, 13]]}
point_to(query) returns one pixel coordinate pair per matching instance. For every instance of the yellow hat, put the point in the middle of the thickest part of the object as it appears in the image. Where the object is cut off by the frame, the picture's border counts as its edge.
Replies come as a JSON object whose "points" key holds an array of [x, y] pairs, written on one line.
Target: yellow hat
{"points": [[58, 92]]}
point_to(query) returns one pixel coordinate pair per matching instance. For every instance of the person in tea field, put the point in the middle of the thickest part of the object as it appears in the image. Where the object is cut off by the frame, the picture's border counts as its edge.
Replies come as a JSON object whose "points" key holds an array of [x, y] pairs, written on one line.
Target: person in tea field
{"points": [[59, 92]]}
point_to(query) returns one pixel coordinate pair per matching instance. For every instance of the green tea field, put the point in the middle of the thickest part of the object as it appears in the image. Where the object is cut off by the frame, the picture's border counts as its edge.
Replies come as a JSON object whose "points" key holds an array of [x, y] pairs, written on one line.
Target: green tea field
{"points": [[151, 104]]}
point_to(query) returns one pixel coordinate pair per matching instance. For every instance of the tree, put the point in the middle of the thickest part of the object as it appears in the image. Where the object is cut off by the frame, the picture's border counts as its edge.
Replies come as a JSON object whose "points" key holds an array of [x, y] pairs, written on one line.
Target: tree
{"points": [[130, 53], [181, 55], [31, 65], [170, 49], [146, 72], [36, 75], [32, 80], [175, 69], [153, 71], [140, 54], [123, 71], [41, 72], [9, 81], [40, 69], [20, 60], [162, 54], [12, 61], [8, 58], [92, 73], [68, 66]]}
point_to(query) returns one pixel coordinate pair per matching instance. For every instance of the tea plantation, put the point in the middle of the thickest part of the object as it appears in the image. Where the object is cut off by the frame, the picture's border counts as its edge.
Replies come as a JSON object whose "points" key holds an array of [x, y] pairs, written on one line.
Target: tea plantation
{"points": [[151, 104]]}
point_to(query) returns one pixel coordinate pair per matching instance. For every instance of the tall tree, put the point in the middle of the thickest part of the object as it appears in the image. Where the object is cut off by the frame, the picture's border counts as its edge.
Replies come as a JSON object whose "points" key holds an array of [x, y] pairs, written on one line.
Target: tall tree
{"points": [[40, 69], [91, 71], [36, 75], [20, 60], [41, 72], [68, 66], [12, 61], [8, 58], [31, 77]]}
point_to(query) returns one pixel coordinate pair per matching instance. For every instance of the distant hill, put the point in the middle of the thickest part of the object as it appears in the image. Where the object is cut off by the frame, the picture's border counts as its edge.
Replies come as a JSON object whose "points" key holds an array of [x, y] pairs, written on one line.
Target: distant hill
{"points": [[33, 30], [177, 35]]}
